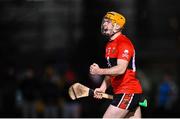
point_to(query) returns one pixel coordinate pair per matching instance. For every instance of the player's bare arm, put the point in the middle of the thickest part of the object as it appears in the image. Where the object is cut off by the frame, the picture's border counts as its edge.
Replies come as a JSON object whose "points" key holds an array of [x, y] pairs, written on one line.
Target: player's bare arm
{"points": [[119, 69], [105, 84]]}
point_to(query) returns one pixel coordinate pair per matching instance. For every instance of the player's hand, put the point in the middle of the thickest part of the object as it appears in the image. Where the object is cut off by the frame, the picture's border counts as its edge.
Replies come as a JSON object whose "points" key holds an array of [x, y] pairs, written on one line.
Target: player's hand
{"points": [[98, 93], [94, 69]]}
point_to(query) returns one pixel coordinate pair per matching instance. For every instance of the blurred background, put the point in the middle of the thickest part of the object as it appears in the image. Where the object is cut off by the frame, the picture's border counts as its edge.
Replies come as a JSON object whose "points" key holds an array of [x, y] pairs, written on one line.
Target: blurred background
{"points": [[47, 45]]}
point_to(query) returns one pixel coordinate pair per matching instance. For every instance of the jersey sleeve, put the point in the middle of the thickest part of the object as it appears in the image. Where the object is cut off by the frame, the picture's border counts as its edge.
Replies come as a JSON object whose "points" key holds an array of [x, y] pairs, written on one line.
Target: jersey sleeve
{"points": [[125, 51]]}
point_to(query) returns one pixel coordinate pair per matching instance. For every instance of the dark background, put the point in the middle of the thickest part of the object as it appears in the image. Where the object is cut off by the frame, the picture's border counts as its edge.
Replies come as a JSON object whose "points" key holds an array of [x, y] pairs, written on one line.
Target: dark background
{"points": [[47, 45]]}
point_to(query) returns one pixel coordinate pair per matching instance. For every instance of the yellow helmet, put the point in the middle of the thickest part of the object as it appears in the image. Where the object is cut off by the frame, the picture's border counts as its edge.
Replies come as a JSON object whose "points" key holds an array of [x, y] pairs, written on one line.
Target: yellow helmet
{"points": [[116, 18]]}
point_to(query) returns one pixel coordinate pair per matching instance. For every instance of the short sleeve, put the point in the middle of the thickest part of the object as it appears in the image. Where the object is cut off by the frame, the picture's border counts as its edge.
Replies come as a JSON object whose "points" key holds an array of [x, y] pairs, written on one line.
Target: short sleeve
{"points": [[125, 51]]}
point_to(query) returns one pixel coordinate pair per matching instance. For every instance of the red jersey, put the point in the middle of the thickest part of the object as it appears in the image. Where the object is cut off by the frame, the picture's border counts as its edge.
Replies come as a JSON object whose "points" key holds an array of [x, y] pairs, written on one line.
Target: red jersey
{"points": [[122, 48]]}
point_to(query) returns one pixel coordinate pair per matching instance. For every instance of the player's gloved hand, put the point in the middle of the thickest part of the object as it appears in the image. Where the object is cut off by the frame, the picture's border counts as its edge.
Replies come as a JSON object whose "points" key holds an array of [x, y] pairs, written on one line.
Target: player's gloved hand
{"points": [[98, 93]]}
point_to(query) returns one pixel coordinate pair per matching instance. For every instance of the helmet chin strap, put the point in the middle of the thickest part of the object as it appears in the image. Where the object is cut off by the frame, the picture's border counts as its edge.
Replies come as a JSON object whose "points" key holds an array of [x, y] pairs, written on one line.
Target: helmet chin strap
{"points": [[113, 32], [108, 37]]}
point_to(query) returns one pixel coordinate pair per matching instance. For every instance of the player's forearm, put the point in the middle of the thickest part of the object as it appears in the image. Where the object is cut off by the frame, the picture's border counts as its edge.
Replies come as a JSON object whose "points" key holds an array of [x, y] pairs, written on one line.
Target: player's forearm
{"points": [[106, 83], [116, 70]]}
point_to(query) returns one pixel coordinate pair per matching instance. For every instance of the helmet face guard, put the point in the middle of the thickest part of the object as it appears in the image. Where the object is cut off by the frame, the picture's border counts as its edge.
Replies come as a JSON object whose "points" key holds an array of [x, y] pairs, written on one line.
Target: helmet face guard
{"points": [[107, 27]]}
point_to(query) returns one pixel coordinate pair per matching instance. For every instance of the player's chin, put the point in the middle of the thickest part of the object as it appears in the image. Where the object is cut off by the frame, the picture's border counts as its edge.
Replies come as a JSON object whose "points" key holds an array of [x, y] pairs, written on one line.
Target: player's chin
{"points": [[105, 33], [93, 72]]}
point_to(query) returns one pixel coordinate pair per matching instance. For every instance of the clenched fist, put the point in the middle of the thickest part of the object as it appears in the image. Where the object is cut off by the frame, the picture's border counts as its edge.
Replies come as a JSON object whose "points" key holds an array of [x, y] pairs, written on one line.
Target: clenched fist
{"points": [[94, 69]]}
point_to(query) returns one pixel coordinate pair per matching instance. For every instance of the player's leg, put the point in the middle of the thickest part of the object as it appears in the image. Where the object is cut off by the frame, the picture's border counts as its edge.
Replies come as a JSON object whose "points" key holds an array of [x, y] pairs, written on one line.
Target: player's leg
{"points": [[119, 106], [135, 108], [123, 104], [137, 113], [134, 114], [115, 112]]}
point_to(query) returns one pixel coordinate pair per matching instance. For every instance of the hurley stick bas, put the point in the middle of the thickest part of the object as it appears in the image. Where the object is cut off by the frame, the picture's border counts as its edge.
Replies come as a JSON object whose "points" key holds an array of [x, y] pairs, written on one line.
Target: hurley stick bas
{"points": [[78, 90]]}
